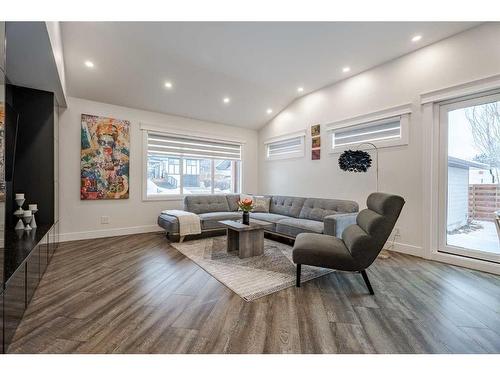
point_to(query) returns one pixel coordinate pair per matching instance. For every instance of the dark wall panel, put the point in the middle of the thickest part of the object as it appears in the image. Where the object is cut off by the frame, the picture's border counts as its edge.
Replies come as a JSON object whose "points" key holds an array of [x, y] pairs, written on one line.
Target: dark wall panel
{"points": [[1, 323], [14, 303], [33, 167]]}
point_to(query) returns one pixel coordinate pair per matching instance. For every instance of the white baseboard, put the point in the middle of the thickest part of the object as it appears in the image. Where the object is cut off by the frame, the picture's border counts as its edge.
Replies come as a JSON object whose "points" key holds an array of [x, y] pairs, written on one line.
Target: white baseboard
{"points": [[460, 261], [405, 248], [74, 236], [451, 259]]}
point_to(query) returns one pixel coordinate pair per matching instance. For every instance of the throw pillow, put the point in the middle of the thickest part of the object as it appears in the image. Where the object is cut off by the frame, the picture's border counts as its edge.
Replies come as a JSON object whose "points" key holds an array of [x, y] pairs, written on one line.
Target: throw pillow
{"points": [[261, 203]]}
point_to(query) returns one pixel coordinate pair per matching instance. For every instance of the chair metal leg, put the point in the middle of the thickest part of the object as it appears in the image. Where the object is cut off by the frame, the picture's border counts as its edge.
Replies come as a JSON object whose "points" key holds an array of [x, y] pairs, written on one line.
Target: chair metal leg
{"points": [[367, 282], [298, 275]]}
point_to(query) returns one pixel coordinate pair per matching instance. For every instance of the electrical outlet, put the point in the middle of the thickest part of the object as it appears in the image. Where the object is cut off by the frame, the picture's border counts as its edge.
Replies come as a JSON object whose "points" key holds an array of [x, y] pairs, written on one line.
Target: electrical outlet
{"points": [[104, 219]]}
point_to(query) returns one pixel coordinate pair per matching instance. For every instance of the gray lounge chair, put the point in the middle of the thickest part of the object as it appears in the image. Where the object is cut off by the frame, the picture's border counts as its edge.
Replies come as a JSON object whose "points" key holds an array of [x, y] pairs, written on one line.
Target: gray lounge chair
{"points": [[360, 244]]}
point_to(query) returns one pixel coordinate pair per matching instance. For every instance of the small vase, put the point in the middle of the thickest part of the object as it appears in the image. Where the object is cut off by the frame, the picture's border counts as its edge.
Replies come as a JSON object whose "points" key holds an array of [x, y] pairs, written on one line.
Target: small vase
{"points": [[246, 218]]}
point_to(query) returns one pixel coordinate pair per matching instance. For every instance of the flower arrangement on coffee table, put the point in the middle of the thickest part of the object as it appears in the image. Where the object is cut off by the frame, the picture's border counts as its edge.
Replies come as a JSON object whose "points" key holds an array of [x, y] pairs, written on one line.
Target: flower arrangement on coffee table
{"points": [[246, 205]]}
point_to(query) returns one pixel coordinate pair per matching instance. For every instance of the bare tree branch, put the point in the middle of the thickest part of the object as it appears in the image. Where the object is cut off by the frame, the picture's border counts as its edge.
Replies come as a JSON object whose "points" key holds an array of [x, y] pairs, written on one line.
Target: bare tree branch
{"points": [[484, 121]]}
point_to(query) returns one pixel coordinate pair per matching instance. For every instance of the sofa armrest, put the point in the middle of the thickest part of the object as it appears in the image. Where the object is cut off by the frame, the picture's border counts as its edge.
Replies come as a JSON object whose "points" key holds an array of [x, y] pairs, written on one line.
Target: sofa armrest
{"points": [[335, 224], [169, 223]]}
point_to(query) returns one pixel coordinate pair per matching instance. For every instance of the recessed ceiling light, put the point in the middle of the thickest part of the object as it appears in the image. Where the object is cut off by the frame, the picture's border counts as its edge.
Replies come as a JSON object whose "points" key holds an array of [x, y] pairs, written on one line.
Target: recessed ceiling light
{"points": [[300, 89], [416, 38], [269, 111], [346, 69], [89, 64], [168, 85], [226, 100]]}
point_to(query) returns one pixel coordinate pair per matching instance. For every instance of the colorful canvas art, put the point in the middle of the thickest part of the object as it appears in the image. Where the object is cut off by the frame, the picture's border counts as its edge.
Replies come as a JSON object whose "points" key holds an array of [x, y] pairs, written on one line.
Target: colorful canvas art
{"points": [[105, 151], [315, 130], [316, 142]]}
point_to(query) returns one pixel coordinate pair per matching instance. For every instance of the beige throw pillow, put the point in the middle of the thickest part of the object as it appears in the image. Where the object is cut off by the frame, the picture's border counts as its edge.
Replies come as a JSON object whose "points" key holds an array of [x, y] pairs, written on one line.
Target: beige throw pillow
{"points": [[261, 203]]}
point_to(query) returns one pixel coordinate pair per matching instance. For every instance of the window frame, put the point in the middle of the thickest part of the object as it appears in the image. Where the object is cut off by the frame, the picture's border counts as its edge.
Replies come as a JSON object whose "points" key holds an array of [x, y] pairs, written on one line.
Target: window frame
{"points": [[372, 119], [179, 197], [300, 154], [444, 108]]}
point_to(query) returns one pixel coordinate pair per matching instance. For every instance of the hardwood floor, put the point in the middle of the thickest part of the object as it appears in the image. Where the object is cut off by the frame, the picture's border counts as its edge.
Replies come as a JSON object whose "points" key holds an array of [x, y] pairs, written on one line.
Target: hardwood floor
{"points": [[137, 294]]}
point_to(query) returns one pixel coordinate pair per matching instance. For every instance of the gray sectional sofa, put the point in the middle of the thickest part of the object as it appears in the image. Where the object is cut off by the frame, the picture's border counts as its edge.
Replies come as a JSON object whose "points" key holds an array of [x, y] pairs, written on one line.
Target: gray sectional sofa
{"points": [[289, 215]]}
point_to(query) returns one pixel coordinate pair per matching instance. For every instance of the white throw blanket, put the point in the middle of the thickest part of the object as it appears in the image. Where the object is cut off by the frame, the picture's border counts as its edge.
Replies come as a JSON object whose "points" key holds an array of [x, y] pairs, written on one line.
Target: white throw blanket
{"points": [[189, 223]]}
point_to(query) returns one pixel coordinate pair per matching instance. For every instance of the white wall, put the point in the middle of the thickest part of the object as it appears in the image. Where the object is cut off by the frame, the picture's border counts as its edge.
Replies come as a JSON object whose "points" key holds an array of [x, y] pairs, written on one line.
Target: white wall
{"points": [[468, 56], [81, 219], [55, 37]]}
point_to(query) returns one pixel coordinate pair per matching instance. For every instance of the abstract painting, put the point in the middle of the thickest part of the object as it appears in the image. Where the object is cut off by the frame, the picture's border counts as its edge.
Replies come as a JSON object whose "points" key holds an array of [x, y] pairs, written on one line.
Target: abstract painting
{"points": [[315, 130], [104, 158], [316, 154], [316, 142]]}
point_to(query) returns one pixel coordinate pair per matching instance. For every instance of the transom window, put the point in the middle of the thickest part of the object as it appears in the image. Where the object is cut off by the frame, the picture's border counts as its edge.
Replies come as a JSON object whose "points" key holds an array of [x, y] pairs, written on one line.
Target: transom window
{"points": [[383, 129], [179, 165], [291, 146]]}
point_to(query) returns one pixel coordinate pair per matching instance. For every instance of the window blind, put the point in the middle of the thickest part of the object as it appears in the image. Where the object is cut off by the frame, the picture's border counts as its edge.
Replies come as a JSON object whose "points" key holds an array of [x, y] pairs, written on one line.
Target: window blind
{"points": [[369, 132], [171, 145], [287, 148]]}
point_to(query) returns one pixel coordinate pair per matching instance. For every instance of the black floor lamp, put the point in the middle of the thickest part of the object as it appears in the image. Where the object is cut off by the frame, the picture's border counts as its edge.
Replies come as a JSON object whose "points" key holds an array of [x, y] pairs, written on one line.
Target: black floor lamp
{"points": [[360, 161]]}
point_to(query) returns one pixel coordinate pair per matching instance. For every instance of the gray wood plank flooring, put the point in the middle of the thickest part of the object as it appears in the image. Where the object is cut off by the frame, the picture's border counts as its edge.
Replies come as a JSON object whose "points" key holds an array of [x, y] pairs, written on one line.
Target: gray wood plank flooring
{"points": [[137, 294]]}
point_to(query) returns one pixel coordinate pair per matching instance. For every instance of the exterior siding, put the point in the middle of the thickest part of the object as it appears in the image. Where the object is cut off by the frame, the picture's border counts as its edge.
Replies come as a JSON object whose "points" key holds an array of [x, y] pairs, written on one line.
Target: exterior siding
{"points": [[458, 197]]}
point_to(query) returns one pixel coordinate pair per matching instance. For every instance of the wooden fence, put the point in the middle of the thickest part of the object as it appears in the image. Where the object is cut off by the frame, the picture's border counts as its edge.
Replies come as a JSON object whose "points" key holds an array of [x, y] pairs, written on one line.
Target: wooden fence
{"points": [[484, 200]]}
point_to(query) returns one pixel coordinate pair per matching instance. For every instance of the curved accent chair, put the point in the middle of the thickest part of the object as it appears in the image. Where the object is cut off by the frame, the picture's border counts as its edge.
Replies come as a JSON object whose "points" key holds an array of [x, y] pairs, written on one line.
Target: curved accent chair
{"points": [[360, 244]]}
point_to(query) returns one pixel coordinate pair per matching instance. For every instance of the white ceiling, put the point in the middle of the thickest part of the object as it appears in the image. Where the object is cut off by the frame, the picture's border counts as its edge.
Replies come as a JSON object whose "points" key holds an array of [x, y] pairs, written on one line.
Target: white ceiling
{"points": [[258, 65]]}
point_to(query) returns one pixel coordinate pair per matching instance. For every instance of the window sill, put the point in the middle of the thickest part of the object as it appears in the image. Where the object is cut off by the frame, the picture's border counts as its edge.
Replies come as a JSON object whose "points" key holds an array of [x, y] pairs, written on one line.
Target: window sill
{"points": [[366, 147], [179, 198], [285, 157]]}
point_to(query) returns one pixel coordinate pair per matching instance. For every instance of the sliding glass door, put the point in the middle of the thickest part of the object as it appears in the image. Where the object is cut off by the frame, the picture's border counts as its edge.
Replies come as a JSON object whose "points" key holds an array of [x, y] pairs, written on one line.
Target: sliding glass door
{"points": [[469, 178]]}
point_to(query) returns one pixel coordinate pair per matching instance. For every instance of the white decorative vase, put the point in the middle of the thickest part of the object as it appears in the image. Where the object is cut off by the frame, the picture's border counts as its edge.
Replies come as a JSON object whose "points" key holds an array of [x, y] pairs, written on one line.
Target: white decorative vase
{"points": [[19, 213], [27, 217], [33, 221]]}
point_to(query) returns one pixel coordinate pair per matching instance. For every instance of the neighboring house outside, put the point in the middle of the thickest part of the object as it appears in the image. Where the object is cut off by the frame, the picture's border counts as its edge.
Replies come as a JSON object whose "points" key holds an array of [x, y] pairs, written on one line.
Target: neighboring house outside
{"points": [[223, 175], [459, 175], [164, 175]]}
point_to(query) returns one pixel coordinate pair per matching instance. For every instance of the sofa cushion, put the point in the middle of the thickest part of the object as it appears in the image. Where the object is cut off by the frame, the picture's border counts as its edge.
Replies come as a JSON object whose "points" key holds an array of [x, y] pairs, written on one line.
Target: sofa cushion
{"points": [[317, 208], [288, 206], [200, 204], [210, 220], [232, 201], [272, 218], [292, 227]]}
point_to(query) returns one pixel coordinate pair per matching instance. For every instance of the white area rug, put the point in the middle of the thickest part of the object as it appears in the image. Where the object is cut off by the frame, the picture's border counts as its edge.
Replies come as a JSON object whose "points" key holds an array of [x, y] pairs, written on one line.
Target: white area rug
{"points": [[253, 277]]}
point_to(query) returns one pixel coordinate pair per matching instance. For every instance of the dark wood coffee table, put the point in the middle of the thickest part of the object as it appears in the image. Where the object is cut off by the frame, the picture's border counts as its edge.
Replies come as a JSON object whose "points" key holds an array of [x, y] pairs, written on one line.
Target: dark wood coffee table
{"points": [[247, 239]]}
